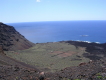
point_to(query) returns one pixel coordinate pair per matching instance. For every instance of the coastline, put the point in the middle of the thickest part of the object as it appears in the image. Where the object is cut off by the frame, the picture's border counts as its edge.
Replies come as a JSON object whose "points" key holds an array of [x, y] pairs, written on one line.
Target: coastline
{"points": [[70, 40], [54, 31]]}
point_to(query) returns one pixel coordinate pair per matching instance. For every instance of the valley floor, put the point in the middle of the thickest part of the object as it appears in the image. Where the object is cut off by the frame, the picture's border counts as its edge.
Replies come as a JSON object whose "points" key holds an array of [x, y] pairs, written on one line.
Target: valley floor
{"points": [[65, 60], [51, 56]]}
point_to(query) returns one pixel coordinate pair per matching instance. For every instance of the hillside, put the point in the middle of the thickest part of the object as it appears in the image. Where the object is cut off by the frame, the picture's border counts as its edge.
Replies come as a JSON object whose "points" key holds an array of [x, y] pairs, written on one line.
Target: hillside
{"points": [[10, 39], [64, 60], [54, 56]]}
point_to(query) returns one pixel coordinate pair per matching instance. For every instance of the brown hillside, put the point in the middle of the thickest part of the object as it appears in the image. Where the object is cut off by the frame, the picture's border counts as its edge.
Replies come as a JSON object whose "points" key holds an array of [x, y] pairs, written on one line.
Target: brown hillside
{"points": [[10, 39]]}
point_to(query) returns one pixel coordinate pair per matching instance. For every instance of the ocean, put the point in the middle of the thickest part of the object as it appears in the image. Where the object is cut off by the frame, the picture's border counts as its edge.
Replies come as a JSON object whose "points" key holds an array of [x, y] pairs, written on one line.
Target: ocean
{"points": [[53, 31]]}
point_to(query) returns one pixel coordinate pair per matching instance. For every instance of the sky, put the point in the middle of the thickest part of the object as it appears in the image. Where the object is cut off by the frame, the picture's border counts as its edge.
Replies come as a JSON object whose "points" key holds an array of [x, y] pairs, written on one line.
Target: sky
{"points": [[12, 11]]}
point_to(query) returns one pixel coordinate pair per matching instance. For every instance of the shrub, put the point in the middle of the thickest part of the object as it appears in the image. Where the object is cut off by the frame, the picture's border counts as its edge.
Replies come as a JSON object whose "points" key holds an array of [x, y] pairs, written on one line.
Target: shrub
{"points": [[99, 77]]}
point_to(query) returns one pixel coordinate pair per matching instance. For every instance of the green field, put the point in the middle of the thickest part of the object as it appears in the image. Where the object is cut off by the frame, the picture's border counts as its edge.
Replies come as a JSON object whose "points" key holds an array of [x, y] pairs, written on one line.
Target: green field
{"points": [[50, 56]]}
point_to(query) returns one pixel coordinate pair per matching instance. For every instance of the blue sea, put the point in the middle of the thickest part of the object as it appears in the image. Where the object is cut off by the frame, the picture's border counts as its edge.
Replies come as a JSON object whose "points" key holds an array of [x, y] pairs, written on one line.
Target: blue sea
{"points": [[53, 31]]}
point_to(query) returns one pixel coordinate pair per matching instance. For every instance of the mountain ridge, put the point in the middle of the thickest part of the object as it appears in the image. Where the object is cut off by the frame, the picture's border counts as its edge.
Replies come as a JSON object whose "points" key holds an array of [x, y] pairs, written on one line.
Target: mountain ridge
{"points": [[10, 39]]}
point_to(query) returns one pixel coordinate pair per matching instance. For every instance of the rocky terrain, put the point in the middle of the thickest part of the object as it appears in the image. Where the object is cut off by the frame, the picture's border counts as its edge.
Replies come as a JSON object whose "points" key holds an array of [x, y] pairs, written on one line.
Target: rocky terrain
{"points": [[94, 51], [12, 69], [12, 40], [93, 70]]}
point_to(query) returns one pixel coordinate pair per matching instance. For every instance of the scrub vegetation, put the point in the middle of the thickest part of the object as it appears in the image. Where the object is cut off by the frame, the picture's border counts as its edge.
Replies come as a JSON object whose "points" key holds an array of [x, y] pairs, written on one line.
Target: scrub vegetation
{"points": [[51, 56]]}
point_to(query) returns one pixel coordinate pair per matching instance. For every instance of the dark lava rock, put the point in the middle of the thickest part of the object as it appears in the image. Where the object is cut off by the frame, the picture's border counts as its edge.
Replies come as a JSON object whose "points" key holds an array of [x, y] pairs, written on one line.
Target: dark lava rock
{"points": [[1, 50], [94, 51], [10, 39]]}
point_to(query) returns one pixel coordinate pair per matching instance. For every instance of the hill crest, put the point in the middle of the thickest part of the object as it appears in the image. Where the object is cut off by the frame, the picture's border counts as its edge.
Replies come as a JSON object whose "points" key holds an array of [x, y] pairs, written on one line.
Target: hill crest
{"points": [[10, 39]]}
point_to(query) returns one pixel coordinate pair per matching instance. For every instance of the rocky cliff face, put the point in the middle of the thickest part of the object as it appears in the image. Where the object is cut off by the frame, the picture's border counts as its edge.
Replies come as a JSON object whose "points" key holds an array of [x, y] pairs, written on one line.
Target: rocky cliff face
{"points": [[10, 39]]}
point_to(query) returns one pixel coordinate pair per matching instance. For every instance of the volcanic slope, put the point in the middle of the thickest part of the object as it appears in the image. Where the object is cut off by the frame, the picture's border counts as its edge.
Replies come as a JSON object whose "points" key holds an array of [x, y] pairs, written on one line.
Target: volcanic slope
{"points": [[12, 40]]}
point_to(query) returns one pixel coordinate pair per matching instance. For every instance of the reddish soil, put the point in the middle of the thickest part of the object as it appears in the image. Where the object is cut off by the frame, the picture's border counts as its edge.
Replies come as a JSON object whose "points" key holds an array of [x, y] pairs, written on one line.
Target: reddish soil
{"points": [[63, 54]]}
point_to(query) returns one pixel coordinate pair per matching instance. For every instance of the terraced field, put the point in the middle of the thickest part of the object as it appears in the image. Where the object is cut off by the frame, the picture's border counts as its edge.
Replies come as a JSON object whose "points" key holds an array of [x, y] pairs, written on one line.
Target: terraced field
{"points": [[51, 56]]}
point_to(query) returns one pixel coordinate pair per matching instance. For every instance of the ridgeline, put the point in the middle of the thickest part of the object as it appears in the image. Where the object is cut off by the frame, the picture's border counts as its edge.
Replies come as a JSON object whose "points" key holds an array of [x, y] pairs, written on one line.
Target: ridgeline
{"points": [[10, 39]]}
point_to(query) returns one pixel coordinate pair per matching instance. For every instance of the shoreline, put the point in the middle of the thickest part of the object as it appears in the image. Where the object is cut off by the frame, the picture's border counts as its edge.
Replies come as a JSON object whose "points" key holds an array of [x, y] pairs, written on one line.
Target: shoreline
{"points": [[72, 41]]}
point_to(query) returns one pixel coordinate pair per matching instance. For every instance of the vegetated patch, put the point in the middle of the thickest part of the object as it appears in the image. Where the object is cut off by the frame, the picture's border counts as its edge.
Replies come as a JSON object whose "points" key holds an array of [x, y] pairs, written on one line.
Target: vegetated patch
{"points": [[51, 56]]}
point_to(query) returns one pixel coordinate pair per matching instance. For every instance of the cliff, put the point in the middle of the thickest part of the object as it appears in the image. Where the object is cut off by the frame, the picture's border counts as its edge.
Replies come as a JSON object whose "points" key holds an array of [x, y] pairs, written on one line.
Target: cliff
{"points": [[10, 39]]}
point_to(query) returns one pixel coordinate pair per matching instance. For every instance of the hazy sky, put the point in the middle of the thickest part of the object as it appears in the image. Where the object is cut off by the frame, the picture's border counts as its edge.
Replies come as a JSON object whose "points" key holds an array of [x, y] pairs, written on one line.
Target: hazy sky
{"points": [[51, 10]]}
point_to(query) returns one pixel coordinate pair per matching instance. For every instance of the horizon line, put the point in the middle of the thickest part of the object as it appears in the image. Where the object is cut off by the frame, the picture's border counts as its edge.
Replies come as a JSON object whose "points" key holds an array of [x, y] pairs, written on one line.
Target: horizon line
{"points": [[52, 21]]}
